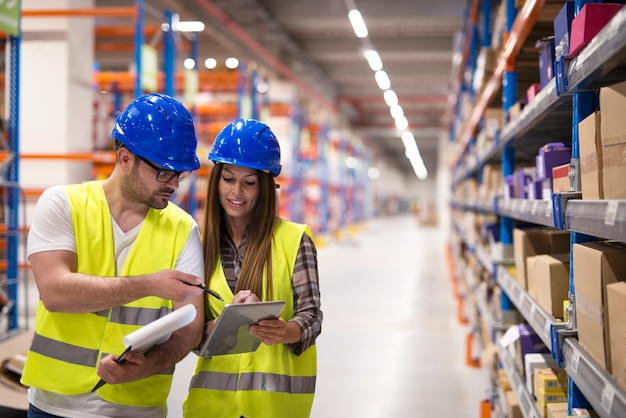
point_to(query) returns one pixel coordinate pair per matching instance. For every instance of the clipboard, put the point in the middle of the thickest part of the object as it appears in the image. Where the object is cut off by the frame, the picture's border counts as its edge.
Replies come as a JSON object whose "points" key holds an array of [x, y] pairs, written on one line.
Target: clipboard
{"points": [[154, 333], [230, 334]]}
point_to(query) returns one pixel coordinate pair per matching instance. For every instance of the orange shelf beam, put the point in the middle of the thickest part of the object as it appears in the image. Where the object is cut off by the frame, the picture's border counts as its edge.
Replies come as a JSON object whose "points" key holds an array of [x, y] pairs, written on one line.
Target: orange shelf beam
{"points": [[124, 31], [132, 11], [96, 156], [525, 20], [208, 81]]}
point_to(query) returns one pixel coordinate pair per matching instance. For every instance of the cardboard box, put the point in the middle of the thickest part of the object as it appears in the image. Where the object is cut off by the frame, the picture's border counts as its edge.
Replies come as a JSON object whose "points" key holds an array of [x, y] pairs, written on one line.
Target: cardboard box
{"points": [[589, 21], [613, 139], [534, 241], [534, 361], [596, 265], [552, 282], [545, 398], [557, 410], [612, 122], [590, 146], [531, 281], [616, 307], [550, 380], [513, 405], [560, 178], [614, 171]]}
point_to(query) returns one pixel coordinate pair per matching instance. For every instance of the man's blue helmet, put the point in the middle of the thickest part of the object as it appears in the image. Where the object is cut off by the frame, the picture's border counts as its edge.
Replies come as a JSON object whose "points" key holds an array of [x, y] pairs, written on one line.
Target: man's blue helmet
{"points": [[248, 143], [159, 128]]}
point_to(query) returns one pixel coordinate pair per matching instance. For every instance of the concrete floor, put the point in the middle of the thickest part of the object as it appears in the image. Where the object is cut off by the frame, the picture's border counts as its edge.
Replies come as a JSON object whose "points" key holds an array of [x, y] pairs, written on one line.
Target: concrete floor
{"points": [[391, 345]]}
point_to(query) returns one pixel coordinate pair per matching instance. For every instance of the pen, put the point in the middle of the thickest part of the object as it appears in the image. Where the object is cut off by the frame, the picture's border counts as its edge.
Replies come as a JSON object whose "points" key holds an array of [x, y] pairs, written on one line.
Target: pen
{"points": [[120, 359], [209, 291]]}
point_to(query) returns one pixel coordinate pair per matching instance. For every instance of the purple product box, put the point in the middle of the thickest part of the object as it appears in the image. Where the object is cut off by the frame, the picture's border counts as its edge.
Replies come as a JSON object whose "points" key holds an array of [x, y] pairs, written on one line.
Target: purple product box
{"points": [[562, 27], [551, 155], [546, 62], [490, 230], [523, 176], [535, 190], [529, 342]]}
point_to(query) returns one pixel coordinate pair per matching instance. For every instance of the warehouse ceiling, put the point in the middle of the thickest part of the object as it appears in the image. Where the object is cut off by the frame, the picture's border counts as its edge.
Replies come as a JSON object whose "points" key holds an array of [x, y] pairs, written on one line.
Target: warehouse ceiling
{"points": [[312, 44]]}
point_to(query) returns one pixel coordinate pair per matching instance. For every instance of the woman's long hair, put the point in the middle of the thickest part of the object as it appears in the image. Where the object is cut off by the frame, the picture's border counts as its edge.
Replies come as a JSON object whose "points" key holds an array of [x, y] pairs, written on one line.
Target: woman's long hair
{"points": [[257, 259]]}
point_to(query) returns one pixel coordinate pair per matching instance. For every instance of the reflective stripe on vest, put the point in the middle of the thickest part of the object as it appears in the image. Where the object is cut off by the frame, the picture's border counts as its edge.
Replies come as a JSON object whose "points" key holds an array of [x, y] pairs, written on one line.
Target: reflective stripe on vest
{"points": [[61, 336], [255, 381], [271, 382]]}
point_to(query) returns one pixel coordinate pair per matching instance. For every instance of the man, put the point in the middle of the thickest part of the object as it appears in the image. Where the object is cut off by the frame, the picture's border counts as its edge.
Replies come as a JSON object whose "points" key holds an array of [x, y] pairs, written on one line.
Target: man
{"points": [[109, 257]]}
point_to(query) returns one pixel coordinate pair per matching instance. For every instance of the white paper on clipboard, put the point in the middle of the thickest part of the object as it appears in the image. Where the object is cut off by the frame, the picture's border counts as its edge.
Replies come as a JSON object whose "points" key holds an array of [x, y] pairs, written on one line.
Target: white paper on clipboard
{"points": [[159, 331]]}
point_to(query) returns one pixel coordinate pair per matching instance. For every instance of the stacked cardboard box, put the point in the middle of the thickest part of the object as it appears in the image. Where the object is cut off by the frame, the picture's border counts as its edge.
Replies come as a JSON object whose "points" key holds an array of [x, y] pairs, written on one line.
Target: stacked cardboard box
{"points": [[535, 241], [616, 306], [613, 138], [596, 266]]}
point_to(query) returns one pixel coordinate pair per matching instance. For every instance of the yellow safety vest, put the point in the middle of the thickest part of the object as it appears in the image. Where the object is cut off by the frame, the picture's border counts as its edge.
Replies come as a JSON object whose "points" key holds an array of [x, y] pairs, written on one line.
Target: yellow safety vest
{"points": [[271, 382], [67, 347]]}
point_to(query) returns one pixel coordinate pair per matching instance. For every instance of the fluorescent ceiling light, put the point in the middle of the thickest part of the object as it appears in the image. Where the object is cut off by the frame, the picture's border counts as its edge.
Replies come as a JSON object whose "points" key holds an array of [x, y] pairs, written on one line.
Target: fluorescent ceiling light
{"points": [[189, 63], [210, 63], [189, 26], [402, 123], [382, 79], [420, 169], [390, 98], [396, 111], [231, 63], [358, 24], [186, 26], [373, 59]]}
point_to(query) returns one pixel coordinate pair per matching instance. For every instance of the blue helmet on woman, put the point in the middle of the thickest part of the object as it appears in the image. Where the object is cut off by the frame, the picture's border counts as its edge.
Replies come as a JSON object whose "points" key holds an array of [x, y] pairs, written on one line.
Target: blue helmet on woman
{"points": [[248, 143], [159, 128]]}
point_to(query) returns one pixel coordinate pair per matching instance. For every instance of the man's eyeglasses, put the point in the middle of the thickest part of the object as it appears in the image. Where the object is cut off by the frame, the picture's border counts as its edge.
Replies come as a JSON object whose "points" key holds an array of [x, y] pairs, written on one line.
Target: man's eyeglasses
{"points": [[163, 175]]}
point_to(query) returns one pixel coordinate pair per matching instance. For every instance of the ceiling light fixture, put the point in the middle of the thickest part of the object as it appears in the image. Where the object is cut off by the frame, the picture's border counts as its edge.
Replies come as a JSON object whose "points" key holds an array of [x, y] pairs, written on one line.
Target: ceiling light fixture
{"points": [[402, 123], [390, 98], [189, 63], [210, 63], [358, 24], [382, 79], [231, 63], [373, 59], [189, 26], [396, 111], [186, 25]]}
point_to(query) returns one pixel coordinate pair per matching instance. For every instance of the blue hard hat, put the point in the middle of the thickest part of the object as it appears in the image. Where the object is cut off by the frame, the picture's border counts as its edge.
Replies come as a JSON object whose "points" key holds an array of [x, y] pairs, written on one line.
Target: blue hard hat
{"points": [[248, 143], [159, 128]]}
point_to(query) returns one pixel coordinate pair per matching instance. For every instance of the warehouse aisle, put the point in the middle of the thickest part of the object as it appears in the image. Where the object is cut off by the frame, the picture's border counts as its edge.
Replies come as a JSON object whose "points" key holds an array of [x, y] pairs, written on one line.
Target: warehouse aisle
{"points": [[391, 345]]}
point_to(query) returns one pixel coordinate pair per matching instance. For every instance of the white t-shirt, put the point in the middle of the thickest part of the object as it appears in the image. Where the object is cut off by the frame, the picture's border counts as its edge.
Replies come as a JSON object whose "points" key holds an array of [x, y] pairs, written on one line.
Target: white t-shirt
{"points": [[52, 229]]}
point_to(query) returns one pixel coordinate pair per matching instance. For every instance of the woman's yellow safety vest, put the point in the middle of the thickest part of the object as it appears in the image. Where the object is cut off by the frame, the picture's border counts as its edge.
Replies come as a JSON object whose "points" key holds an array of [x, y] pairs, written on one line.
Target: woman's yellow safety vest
{"points": [[270, 382], [67, 347]]}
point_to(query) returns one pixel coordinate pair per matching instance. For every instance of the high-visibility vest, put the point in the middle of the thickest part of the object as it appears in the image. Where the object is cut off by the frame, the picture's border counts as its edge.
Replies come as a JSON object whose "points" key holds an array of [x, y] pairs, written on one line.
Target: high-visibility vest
{"points": [[67, 347], [271, 382]]}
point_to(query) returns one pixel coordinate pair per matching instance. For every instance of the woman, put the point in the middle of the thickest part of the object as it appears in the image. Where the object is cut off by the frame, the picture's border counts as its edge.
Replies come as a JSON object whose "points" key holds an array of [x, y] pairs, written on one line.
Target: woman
{"points": [[251, 254]]}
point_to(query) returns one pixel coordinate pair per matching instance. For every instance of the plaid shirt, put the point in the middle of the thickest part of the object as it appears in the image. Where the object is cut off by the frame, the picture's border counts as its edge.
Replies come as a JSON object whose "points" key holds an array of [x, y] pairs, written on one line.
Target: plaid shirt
{"points": [[305, 281]]}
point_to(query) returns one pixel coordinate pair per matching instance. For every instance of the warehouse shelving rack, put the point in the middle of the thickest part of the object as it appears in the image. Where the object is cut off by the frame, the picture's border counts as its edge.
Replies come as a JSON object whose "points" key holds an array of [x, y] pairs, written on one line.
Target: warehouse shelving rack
{"points": [[565, 101], [12, 276]]}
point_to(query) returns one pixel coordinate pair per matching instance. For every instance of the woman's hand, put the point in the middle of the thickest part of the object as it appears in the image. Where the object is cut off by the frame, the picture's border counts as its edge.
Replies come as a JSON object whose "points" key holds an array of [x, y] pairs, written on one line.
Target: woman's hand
{"points": [[270, 331], [245, 296]]}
